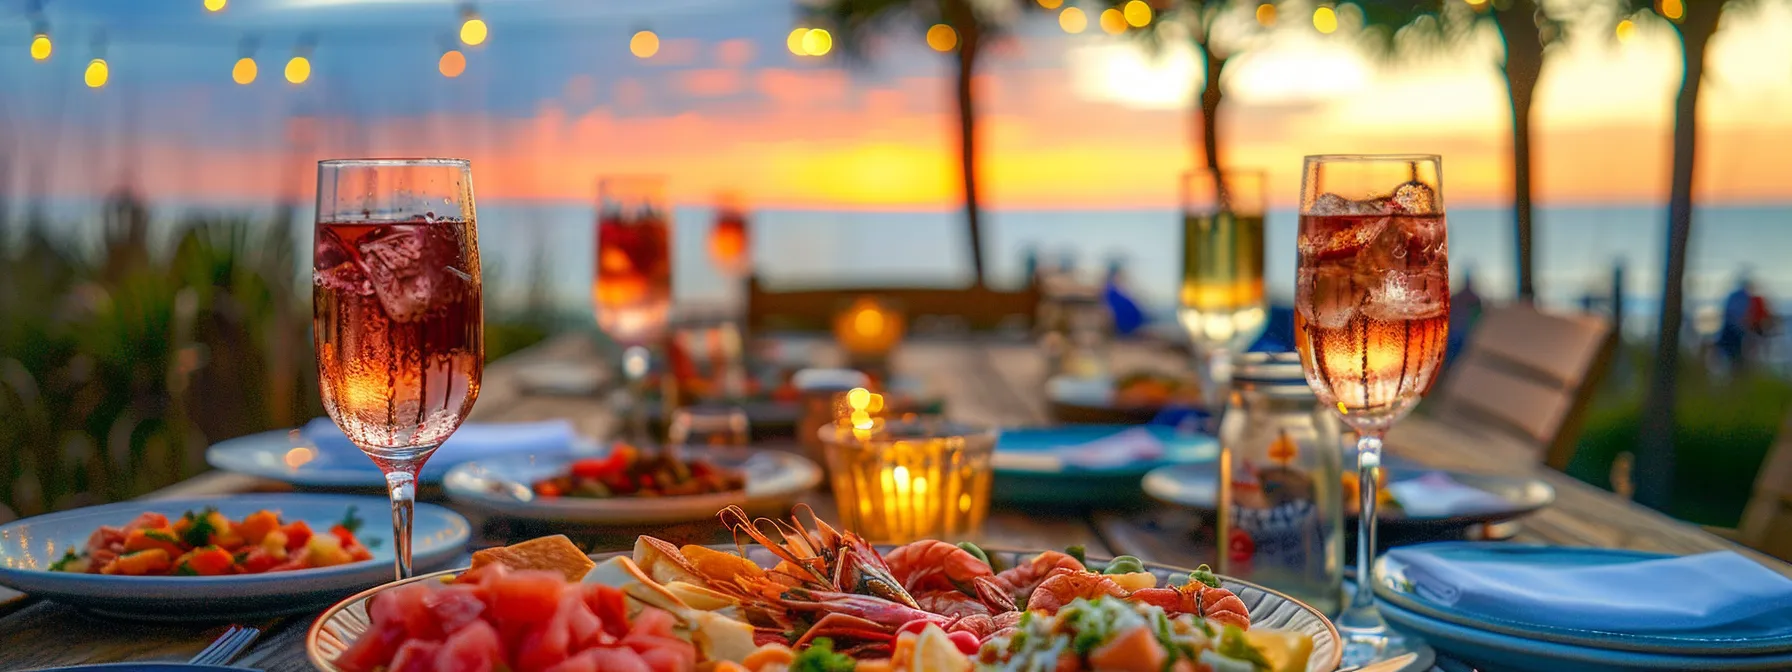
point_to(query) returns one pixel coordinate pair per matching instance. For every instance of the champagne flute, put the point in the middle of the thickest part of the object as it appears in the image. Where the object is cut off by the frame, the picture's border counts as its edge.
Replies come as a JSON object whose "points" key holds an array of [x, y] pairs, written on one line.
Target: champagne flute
{"points": [[632, 280], [1372, 316], [1221, 303], [397, 317]]}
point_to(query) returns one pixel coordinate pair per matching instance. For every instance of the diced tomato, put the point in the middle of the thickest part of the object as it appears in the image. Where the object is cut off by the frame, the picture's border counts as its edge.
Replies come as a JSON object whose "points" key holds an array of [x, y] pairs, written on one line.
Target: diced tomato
{"points": [[343, 535], [416, 655], [610, 606], [582, 626], [528, 597], [359, 553], [146, 520], [455, 607], [474, 648], [256, 526], [152, 537], [207, 561], [403, 608], [297, 534], [543, 647], [259, 560], [653, 623], [372, 649], [106, 537], [584, 662]]}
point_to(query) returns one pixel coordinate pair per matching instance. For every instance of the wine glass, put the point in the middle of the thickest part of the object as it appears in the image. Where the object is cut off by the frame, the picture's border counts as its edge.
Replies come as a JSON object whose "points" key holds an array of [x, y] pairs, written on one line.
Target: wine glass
{"points": [[632, 279], [1221, 303], [397, 316], [1372, 316]]}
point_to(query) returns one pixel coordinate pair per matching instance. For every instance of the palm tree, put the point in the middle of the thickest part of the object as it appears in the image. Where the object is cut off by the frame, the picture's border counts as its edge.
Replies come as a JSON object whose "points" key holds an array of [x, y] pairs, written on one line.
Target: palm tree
{"points": [[1527, 32], [1695, 23], [974, 25], [1195, 21]]}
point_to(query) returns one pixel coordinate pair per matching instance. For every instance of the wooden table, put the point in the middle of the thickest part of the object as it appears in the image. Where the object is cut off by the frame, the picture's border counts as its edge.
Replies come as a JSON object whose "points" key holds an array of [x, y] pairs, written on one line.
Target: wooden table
{"points": [[987, 382]]}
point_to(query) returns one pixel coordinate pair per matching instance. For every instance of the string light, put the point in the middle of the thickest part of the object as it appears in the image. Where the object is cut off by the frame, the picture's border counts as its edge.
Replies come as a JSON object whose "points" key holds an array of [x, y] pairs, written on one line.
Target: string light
{"points": [[40, 47], [1138, 14], [1325, 20], [1626, 30], [1266, 15], [644, 44], [817, 42], [298, 69], [1112, 21], [40, 33], [97, 73], [1672, 10], [472, 28], [452, 63], [1051, 4], [1072, 20], [942, 37], [244, 71], [215, 5], [795, 41]]}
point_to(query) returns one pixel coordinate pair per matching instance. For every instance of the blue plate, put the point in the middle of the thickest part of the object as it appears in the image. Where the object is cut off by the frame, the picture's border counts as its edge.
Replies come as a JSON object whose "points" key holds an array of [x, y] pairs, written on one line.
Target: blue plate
{"points": [[1194, 486], [29, 546], [1529, 654], [1026, 474], [775, 480], [1392, 587], [285, 456]]}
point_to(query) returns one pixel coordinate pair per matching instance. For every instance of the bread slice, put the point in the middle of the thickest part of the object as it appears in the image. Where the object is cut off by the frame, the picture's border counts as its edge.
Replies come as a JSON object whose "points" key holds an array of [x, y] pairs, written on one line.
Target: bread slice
{"points": [[555, 553]]}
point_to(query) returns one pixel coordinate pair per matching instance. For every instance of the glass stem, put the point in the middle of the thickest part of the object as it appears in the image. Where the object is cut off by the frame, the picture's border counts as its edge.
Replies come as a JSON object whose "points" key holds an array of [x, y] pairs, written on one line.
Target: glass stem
{"points": [[637, 361], [1368, 466], [401, 484], [1217, 377]]}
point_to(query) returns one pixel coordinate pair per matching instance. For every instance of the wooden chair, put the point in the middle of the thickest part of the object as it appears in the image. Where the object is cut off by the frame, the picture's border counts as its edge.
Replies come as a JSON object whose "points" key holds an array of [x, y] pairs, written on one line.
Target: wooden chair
{"points": [[1767, 522], [1527, 376], [976, 307]]}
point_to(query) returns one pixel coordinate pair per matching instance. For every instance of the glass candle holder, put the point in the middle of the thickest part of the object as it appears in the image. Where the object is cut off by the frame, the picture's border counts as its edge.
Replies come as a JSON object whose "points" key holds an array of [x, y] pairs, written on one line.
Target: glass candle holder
{"points": [[911, 479]]}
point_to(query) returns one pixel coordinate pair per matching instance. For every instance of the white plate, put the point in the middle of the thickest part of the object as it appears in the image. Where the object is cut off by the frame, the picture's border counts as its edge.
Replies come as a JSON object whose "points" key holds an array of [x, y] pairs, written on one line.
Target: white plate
{"points": [[774, 480], [332, 633], [28, 547], [285, 456]]}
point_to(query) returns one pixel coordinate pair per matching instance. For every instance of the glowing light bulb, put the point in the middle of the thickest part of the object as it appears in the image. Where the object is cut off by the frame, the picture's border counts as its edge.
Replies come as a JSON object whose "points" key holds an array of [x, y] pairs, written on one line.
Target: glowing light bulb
{"points": [[644, 44], [452, 63], [97, 73], [1112, 21], [1051, 4], [244, 71], [1626, 30], [818, 42], [215, 5], [1138, 14], [1072, 20], [942, 37], [1672, 10], [1266, 15], [1325, 20], [298, 70], [40, 47], [473, 32], [795, 41]]}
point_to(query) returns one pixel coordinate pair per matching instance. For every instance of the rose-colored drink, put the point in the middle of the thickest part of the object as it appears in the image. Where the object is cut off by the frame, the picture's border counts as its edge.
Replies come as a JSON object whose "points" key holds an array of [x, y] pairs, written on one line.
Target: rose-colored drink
{"points": [[632, 286], [399, 331], [1373, 308]]}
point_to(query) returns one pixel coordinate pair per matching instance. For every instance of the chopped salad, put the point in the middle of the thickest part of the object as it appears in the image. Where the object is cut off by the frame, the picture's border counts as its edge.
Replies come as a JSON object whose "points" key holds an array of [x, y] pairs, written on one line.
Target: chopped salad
{"points": [[627, 471], [208, 543]]}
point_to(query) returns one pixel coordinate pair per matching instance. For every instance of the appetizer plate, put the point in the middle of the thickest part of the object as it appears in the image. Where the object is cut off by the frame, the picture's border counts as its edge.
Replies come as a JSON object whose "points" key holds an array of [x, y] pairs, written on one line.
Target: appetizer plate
{"points": [[1031, 465], [286, 456], [29, 546], [341, 624], [775, 478], [1193, 486], [1528, 654], [1393, 588]]}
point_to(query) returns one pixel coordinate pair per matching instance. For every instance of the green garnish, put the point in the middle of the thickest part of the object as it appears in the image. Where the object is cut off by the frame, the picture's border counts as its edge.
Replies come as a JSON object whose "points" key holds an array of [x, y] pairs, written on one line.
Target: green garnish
{"points": [[200, 531], [68, 557], [1205, 575], [350, 521], [1233, 645], [1078, 553], [185, 570], [1125, 564], [974, 550], [820, 657], [161, 536]]}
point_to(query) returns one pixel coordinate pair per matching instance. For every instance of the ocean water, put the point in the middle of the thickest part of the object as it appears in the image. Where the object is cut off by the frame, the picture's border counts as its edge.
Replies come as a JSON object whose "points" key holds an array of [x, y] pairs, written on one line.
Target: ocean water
{"points": [[1576, 248]]}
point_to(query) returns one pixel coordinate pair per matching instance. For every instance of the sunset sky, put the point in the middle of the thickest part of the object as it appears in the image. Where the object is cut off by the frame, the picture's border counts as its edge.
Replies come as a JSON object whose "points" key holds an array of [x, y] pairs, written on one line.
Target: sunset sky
{"points": [[555, 99]]}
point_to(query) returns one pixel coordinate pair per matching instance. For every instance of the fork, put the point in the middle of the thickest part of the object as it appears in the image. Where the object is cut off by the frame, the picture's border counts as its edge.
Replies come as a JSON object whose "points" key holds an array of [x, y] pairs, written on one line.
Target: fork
{"points": [[226, 647]]}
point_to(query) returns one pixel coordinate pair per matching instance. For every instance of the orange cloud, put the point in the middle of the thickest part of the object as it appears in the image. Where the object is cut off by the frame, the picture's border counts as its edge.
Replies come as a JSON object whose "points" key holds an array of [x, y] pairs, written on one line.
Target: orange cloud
{"points": [[709, 83]]}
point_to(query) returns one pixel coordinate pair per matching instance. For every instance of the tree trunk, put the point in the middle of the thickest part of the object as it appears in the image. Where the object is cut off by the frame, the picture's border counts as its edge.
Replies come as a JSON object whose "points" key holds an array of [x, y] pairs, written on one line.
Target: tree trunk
{"points": [[1524, 64], [1655, 461], [1209, 110], [968, 50]]}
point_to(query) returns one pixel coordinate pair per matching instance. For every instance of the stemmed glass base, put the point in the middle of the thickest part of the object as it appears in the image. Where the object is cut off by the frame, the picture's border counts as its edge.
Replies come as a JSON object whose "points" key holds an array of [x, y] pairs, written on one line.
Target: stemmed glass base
{"points": [[401, 487], [1367, 637]]}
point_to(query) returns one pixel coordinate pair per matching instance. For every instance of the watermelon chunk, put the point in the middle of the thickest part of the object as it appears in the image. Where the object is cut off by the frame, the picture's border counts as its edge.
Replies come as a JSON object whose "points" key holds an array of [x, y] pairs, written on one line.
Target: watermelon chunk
{"points": [[474, 648]]}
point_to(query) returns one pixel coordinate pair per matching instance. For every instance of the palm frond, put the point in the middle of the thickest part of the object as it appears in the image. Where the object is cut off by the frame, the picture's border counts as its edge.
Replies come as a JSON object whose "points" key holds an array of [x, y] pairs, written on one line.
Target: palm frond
{"points": [[854, 24]]}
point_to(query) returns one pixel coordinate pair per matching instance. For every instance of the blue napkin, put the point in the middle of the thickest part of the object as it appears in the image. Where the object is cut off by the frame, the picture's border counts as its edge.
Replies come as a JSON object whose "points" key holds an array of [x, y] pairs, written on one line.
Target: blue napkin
{"points": [[472, 441], [1630, 594]]}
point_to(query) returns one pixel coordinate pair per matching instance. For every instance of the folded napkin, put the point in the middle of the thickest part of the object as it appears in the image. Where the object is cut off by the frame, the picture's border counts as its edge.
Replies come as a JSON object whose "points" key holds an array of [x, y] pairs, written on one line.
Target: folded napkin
{"points": [[1562, 588], [472, 441], [1436, 495], [1119, 449]]}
